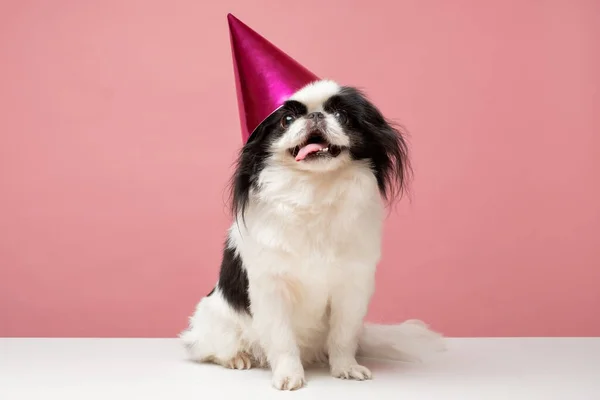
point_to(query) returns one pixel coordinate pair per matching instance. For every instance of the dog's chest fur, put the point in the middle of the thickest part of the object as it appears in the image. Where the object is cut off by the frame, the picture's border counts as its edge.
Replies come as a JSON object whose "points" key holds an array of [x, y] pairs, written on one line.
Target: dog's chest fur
{"points": [[306, 235]]}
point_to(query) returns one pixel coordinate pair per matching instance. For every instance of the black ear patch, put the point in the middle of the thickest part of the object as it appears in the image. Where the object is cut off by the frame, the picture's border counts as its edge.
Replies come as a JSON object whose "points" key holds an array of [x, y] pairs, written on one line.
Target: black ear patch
{"points": [[252, 157], [374, 138]]}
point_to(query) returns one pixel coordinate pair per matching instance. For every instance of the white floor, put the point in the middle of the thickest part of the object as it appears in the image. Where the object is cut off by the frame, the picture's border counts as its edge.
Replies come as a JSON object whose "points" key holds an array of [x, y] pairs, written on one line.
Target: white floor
{"points": [[482, 369]]}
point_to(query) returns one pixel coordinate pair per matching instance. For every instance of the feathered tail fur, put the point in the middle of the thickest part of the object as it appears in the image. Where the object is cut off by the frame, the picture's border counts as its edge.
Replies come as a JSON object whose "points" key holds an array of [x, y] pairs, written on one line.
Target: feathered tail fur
{"points": [[409, 341]]}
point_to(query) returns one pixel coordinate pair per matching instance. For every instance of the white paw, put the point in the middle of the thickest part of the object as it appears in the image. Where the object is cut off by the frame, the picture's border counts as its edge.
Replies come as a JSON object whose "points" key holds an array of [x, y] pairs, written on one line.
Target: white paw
{"points": [[352, 371], [288, 373], [241, 361], [290, 381]]}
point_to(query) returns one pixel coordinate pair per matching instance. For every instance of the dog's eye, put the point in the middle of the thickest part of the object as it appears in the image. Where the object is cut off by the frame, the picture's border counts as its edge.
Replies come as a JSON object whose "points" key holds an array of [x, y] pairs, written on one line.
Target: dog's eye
{"points": [[287, 120], [341, 117]]}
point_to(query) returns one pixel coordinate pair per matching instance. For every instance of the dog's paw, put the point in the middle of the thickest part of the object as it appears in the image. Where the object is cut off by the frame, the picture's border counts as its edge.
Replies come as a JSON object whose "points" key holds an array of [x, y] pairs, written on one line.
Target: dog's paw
{"points": [[290, 381], [351, 371], [289, 374], [240, 361]]}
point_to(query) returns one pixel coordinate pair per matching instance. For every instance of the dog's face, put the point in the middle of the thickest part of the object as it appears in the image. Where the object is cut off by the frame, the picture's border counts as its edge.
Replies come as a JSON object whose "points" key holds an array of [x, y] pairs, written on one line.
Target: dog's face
{"points": [[322, 128], [314, 131]]}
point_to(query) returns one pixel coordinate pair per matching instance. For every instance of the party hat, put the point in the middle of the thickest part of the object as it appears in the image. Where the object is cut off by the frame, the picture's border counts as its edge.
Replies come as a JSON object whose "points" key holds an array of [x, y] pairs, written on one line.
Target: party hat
{"points": [[265, 77]]}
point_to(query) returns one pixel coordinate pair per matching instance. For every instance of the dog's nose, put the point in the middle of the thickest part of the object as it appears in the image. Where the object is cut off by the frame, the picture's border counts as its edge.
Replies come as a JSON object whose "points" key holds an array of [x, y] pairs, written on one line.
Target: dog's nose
{"points": [[316, 116]]}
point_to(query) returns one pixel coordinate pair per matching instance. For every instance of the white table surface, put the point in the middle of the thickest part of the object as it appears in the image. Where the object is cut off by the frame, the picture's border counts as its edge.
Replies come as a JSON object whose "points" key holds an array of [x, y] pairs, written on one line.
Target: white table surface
{"points": [[482, 369]]}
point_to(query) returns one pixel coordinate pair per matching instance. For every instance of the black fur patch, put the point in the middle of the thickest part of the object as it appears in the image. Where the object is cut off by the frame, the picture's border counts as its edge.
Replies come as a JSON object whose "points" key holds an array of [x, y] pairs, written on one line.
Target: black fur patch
{"points": [[251, 159], [233, 281], [373, 138]]}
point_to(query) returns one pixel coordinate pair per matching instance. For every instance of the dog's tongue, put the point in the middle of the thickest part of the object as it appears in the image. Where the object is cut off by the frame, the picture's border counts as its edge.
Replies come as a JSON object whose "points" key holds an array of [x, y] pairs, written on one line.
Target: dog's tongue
{"points": [[308, 149]]}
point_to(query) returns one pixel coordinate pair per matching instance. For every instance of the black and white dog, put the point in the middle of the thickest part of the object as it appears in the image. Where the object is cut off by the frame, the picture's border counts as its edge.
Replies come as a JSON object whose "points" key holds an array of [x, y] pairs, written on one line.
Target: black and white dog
{"points": [[298, 267]]}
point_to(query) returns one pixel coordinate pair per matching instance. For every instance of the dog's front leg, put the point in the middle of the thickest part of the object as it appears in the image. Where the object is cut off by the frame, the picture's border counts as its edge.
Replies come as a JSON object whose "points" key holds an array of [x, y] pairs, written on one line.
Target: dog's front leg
{"points": [[272, 321], [349, 303]]}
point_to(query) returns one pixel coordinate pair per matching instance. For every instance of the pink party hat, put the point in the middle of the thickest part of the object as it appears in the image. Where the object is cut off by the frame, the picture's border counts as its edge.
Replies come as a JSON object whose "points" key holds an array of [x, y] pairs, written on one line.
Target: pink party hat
{"points": [[265, 77]]}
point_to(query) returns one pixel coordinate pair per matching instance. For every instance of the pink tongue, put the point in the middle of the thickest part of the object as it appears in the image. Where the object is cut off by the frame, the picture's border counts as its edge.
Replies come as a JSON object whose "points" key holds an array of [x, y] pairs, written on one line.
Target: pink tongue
{"points": [[308, 149]]}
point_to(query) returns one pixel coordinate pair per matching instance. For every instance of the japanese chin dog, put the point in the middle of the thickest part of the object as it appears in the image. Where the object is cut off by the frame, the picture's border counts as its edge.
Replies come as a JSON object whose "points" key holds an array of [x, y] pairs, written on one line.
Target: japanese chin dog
{"points": [[308, 199]]}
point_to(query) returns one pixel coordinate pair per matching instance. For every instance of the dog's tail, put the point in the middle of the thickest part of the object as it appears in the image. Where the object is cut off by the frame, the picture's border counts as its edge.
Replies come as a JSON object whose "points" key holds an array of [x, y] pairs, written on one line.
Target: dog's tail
{"points": [[409, 341]]}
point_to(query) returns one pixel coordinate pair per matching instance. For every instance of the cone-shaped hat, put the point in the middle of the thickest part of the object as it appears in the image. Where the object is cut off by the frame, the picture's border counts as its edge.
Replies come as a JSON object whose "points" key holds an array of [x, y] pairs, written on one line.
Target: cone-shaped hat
{"points": [[265, 77]]}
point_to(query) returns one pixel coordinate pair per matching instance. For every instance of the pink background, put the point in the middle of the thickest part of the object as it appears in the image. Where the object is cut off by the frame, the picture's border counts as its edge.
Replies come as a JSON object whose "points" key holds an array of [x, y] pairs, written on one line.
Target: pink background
{"points": [[119, 125]]}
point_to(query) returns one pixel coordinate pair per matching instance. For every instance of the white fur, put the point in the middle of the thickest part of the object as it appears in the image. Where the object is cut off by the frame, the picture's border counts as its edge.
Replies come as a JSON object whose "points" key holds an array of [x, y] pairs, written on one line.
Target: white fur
{"points": [[315, 94], [310, 243]]}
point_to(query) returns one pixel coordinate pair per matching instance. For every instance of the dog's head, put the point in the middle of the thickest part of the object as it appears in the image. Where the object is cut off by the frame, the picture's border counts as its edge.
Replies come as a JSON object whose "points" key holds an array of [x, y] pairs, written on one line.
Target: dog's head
{"points": [[321, 129]]}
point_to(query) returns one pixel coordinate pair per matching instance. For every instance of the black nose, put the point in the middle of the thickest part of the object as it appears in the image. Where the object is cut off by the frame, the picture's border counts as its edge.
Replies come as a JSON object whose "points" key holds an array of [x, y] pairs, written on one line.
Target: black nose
{"points": [[316, 116]]}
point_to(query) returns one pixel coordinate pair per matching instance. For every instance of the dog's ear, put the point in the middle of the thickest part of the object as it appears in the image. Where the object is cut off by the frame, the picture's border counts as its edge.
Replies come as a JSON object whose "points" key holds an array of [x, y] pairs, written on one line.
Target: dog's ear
{"points": [[382, 142], [391, 162], [251, 160]]}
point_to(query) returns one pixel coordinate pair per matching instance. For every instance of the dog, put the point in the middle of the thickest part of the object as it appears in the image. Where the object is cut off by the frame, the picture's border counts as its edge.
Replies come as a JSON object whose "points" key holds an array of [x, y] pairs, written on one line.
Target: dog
{"points": [[308, 199]]}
